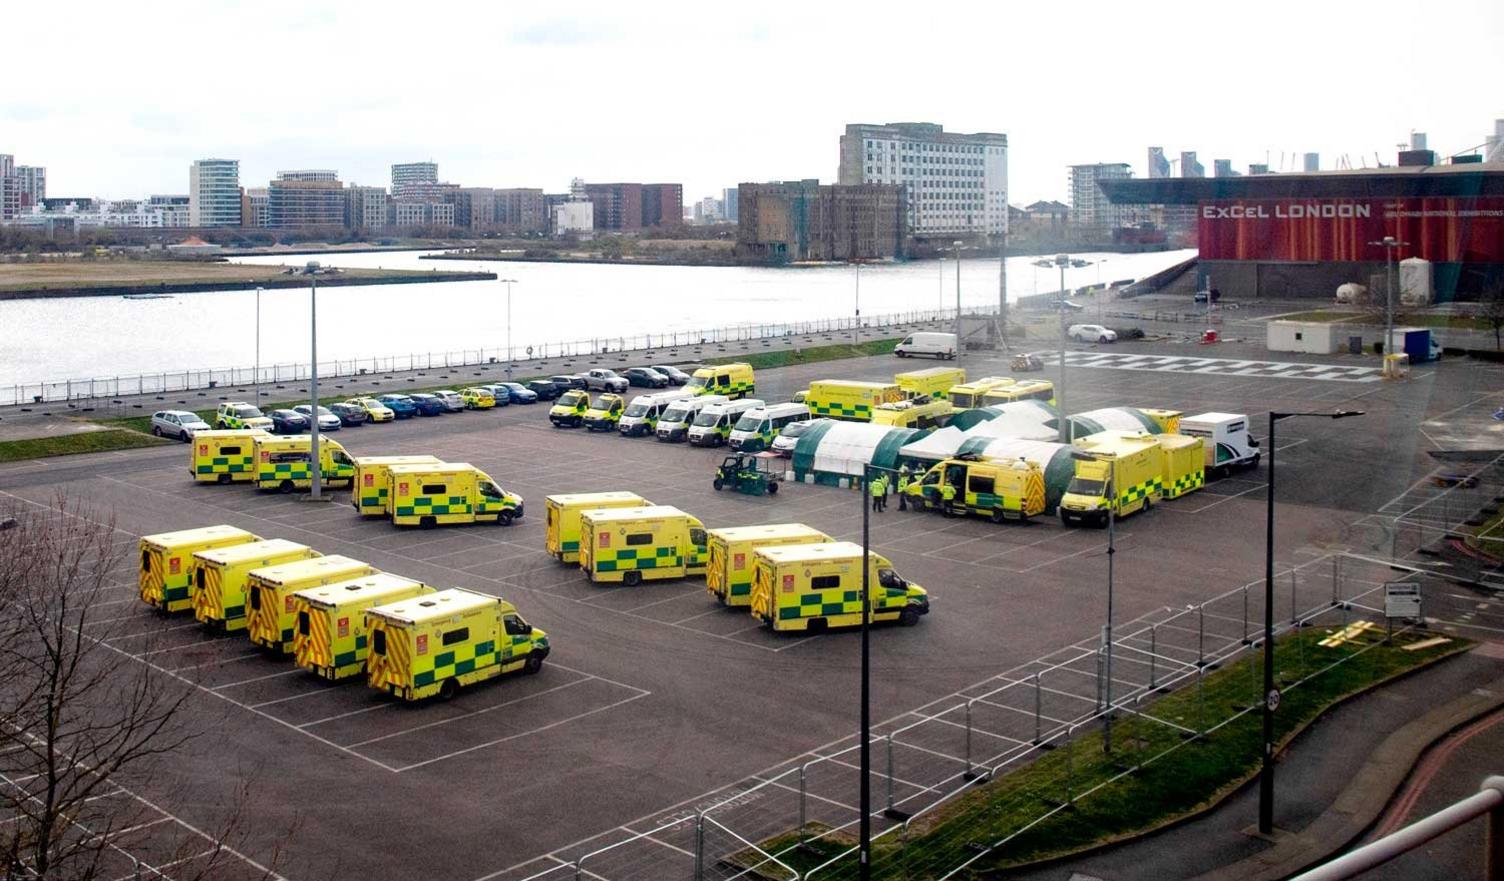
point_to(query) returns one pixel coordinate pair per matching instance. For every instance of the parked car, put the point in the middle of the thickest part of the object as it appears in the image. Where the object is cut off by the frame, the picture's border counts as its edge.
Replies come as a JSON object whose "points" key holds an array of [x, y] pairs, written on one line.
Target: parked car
{"points": [[401, 405], [375, 410], [674, 374], [788, 437], [646, 377], [453, 403], [566, 381], [327, 420], [1090, 333], [604, 379], [1202, 296], [288, 422], [428, 405], [349, 413], [545, 389], [1026, 363], [1128, 333], [181, 424], [514, 393]]}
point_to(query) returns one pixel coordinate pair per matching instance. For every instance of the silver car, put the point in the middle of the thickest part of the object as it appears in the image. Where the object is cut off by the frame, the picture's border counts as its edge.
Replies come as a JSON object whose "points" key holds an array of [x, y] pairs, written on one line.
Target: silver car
{"points": [[327, 421], [180, 424], [788, 437], [451, 399]]}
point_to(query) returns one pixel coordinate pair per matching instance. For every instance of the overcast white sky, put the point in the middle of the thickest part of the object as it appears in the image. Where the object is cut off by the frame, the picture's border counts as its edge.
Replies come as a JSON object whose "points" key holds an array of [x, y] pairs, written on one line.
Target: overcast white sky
{"points": [[116, 98]]}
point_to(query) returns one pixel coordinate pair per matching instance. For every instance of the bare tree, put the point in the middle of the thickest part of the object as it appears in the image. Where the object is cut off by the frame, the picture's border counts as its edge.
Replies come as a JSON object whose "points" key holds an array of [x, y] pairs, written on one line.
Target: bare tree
{"points": [[1491, 310], [77, 717]]}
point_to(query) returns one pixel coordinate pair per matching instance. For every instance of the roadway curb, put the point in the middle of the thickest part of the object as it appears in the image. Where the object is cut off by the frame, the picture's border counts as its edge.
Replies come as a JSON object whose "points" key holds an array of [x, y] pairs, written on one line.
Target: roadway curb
{"points": [[1373, 786]]}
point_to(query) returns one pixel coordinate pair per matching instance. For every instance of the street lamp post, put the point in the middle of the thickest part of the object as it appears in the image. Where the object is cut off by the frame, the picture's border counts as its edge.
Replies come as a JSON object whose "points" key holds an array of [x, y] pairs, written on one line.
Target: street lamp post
{"points": [[509, 282], [957, 245], [864, 836], [856, 330], [315, 465], [1112, 497], [1388, 243], [1271, 697], [258, 345]]}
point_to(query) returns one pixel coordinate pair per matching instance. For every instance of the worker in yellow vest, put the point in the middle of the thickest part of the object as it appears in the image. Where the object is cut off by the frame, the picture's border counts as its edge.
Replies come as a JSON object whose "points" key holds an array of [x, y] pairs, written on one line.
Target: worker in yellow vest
{"points": [[903, 488]]}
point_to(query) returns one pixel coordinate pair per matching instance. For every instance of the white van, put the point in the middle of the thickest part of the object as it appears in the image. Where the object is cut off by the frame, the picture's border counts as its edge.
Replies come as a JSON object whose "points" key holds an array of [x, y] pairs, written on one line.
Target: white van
{"points": [[1225, 436], [939, 345], [757, 428], [712, 427], [673, 425], [644, 412]]}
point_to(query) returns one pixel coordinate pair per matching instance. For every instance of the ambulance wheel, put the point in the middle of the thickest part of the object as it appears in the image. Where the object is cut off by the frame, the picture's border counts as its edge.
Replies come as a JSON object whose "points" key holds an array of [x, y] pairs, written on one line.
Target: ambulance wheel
{"points": [[998, 516], [717, 484], [772, 489], [909, 616], [504, 518], [631, 578], [817, 625], [533, 664], [224, 478], [448, 689], [427, 523], [285, 487]]}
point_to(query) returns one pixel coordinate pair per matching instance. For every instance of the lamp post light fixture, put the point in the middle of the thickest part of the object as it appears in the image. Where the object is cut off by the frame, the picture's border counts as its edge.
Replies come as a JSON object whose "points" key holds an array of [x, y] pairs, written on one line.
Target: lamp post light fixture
{"points": [[1111, 496], [509, 282], [1271, 697]]}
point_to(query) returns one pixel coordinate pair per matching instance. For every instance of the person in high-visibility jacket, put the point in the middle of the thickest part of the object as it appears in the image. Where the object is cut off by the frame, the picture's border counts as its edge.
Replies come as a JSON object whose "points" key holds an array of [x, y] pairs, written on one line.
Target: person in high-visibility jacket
{"points": [[948, 498], [903, 488], [876, 487]]}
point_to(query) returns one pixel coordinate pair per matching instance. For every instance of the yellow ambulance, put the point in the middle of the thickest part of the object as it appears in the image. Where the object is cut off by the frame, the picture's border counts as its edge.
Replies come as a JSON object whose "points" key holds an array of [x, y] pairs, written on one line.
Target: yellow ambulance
{"points": [[569, 410], [631, 545], [369, 492], [329, 633], [728, 577], [1132, 463], [448, 492], [850, 400], [435, 643], [968, 395], [282, 463], [814, 587], [605, 411], [562, 540], [1000, 489], [1167, 420], [269, 591], [167, 562], [1023, 390], [935, 382], [915, 413], [732, 380], [224, 456], [220, 577], [1184, 463]]}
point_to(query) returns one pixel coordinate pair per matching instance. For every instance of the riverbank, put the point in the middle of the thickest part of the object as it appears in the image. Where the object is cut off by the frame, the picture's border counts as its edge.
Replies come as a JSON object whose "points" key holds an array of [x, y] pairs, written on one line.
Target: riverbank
{"points": [[30, 281]]}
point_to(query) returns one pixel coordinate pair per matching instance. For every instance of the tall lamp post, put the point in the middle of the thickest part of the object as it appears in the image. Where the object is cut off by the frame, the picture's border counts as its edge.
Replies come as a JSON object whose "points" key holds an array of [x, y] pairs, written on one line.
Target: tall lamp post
{"points": [[1062, 261], [258, 345], [315, 465], [1388, 243], [856, 330], [957, 246], [1111, 550], [864, 832], [509, 282], [1271, 697]]}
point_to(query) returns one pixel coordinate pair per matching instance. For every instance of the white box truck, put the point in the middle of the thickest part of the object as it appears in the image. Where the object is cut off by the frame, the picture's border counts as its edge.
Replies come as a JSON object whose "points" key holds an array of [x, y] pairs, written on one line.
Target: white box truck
{"points": [[1229, 445]]}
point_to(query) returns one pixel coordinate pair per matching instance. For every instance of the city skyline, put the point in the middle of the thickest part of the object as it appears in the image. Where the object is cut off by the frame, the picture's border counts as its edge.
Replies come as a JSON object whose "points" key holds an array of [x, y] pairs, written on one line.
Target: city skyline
{"points": [[130, 134]]}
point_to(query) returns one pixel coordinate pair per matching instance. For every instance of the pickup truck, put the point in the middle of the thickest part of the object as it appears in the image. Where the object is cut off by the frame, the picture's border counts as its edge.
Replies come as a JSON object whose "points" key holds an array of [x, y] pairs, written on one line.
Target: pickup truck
{"points": [[602, 379]]}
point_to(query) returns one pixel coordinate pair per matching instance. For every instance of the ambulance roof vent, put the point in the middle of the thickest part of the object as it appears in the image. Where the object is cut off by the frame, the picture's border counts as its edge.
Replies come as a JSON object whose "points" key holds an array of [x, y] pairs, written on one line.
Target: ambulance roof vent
{"points": [[353, 586], [428, 603]]}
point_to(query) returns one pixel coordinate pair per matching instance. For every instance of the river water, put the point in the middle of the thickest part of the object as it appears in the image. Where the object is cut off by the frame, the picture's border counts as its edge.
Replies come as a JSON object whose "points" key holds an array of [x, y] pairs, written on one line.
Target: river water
{"points": [[85, 337]]}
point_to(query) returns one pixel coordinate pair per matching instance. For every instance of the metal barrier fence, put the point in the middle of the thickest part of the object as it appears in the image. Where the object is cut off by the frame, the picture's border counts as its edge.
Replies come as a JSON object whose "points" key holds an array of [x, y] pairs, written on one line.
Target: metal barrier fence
{"points": [[926, 760], [1454, 503], [161, 382]]}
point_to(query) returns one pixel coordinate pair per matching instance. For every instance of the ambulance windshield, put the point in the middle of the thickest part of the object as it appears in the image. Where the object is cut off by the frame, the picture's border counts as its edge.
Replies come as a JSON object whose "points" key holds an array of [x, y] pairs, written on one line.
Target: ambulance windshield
{"points": [[637, 408], [247, 412], [696, 382], [674, 414], [707, 418], [1082, 486]]}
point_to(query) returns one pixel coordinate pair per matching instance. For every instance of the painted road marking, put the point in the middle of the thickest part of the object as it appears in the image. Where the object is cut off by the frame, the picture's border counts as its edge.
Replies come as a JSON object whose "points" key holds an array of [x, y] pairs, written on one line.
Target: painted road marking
{"points": [[1222, 366]]}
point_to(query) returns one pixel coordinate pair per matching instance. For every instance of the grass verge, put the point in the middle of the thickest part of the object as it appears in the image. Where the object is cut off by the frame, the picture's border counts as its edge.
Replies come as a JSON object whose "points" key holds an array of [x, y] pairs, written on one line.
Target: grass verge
{"points": [[1077, 797], [812, 355], [82, 442]]}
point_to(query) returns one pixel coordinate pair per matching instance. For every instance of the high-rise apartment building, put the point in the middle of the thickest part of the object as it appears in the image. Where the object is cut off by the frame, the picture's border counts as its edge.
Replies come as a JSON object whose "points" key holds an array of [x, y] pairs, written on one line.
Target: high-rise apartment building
{"points": [[214, 193], [1159, 166], [1189, 167], [406, 175], [474, 207], [618, 207], [10, 188], [521, 210], [783, 221], [306, 198], [1258, 168], [662, 205], [33, 183], [1310, 161], [953, 183], [168, 211], [1090, 207], [366, 207], [1223, 168], [254, 210], [730, 203]]}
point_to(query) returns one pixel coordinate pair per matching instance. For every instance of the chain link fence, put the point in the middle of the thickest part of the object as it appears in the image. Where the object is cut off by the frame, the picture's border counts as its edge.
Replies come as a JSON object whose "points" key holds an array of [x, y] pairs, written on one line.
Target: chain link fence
{"points": [[798, 821]]}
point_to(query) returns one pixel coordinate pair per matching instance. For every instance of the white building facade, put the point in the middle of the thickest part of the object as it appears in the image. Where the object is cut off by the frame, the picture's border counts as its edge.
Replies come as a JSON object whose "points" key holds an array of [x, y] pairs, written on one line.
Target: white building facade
{"points": [[956, 184], [1089, 205], [214, 193]]}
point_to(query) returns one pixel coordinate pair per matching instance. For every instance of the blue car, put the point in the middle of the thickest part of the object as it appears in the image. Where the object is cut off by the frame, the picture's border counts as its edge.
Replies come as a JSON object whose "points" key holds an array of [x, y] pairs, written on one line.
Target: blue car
{"points": [[428, 405], [401, 405], [515, 392]]}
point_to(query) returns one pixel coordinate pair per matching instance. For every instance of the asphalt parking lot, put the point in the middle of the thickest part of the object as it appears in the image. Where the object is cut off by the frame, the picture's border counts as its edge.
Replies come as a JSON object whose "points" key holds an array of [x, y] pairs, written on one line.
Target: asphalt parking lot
{"points": [[655, 697]]}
